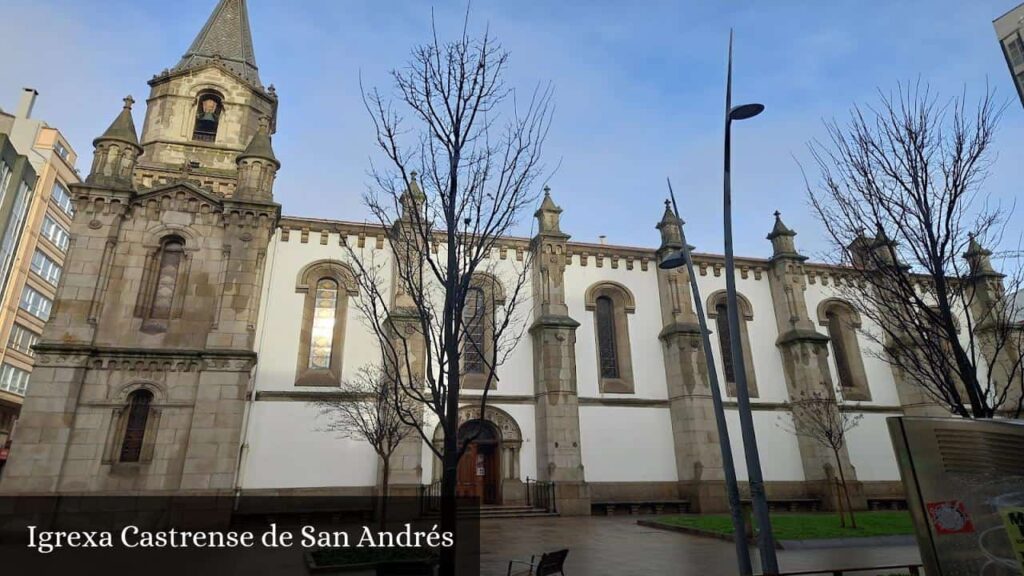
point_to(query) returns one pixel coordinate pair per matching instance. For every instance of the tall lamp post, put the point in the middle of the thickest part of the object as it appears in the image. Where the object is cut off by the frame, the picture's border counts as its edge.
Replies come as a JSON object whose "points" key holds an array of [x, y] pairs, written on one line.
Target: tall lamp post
{"points": [[676, 260], [766, 541]]}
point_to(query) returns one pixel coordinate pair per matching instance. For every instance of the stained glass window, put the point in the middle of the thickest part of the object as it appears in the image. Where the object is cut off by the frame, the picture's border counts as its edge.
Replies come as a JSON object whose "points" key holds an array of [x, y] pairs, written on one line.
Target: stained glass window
{"points": [[138, 414], [473, 317], [725, 341], [167, 278], [606, 341], [325, 307]]}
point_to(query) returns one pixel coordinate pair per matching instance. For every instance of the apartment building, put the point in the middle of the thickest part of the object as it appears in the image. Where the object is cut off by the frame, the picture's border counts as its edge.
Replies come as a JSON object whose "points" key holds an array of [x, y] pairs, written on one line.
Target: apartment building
{"points": [[35, 219]]}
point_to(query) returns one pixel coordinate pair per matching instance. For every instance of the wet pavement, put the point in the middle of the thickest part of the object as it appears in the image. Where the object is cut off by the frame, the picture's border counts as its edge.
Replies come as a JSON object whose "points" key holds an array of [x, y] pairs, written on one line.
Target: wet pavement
{"points": [[600, 545]]}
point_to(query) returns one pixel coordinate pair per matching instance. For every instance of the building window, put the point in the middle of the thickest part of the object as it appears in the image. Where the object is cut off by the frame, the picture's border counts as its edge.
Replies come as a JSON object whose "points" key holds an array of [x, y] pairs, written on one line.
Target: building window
{"points": [[718, 311], [61, 150], [474, 317], [62, 198], [35, 303], [46, 267], [55, 233], [841, 321], [13, 379], [208, 112], [611, 303], [606, 338], [22, 339], [1015, 51], [327, 286], [167, 278], [484, 294], [325, 310], [135, 427], [12, 235]]}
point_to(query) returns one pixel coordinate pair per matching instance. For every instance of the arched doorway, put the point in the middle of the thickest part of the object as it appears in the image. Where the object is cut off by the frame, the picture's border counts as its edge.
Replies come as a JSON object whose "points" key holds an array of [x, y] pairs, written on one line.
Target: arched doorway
{"points": [[479, 474]]}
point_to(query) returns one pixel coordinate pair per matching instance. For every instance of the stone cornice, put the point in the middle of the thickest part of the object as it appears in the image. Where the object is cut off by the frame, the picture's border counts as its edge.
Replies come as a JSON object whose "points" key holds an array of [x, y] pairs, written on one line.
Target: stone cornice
{"points": [[153, 359], [553, 322], [590, 253], [801, 335]]}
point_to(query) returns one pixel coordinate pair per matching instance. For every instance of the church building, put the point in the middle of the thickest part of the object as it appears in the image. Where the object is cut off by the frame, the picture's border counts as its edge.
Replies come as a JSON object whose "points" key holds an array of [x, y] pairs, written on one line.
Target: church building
{"points": [[187, 346]]}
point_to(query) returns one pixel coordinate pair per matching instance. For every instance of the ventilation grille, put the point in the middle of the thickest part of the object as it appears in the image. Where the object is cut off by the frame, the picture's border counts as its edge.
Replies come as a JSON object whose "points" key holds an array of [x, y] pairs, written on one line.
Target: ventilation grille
{"points": [[980, 452]]}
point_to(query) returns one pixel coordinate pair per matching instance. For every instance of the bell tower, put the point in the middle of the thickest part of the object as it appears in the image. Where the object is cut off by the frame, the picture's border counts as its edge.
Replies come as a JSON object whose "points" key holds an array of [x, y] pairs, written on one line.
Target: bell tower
{"points": [[206, 110], [144, 367]]}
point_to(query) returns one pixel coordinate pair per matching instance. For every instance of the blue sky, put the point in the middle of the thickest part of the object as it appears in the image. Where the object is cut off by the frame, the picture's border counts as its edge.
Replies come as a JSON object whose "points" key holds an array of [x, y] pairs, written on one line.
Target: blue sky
{"points": [[638, 89]]}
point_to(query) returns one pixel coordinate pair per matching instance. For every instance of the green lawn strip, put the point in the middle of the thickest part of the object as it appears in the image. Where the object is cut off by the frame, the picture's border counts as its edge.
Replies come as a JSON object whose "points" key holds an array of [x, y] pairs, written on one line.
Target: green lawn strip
{"points": [[805, 526]]}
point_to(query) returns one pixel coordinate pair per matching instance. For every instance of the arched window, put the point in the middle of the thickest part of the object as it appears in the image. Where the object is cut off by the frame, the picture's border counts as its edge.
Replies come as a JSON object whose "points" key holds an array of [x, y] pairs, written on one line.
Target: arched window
{"points": [[135, 425], [171, 255], [606, 347], [484, 295], [841, 321], [718, 311], [209, 108], [321, 342], [474, 318], [611, 302], [162, 288], [327, 286]]}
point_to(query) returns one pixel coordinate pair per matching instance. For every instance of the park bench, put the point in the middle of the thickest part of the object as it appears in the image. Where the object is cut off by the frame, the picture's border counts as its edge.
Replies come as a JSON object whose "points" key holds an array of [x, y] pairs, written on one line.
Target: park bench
{"points": [[639, 506], [550, 563]]}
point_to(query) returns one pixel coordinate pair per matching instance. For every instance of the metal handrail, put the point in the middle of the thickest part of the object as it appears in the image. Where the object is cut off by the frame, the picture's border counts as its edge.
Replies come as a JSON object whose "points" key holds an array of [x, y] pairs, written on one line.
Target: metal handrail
{"points": [[541, 494]]}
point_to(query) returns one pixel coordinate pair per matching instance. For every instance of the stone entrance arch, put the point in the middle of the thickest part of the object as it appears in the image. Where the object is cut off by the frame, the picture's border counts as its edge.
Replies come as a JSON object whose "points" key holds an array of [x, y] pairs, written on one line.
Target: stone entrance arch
{"points": [[513, 491]]}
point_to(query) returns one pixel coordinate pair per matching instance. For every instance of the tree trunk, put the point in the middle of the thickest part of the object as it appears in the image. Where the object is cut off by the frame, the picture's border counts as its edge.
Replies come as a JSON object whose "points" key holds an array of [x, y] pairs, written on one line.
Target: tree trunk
{"points": [[846, 491], [385, 483], [839, 501], [449, 511]]}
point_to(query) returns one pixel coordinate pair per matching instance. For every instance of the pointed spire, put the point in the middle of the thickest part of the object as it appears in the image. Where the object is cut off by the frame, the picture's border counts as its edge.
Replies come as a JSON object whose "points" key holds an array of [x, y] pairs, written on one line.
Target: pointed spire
{"points": [[122, 128], [548, 215], [412, 197], [116, 151], [260, 145], [669, 228], [783, 245], [780, 229], [979, 258], [226, 38]]}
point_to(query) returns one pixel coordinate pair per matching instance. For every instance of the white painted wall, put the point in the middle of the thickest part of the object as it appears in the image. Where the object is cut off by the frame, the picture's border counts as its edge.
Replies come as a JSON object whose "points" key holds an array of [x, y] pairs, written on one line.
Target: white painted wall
{"points": [[780, 453], [762, 330], [878, 372], [286, 450], [277, 339], [627, 444], [289, 449], [648, 360], [870, 449]]}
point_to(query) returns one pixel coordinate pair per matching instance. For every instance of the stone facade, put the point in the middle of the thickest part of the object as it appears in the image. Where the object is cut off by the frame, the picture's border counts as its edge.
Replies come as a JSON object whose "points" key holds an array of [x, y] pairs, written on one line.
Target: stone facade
{"points": [[160, 295]]}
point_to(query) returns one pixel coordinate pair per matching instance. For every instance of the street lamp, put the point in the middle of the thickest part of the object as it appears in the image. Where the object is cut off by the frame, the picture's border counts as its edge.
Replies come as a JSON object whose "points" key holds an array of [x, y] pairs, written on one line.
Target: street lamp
{"points": [[677, 260], [765, 541]]}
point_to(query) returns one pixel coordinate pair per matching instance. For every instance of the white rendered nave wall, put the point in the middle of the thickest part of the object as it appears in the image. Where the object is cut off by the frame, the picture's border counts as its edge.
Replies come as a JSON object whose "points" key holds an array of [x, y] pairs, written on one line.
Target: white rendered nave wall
{"points": [[626, 438]]}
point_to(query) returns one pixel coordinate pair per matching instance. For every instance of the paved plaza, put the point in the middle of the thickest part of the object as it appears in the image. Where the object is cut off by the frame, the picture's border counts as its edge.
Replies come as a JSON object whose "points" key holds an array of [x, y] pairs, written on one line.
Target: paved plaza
{"points": [[617, 546]]}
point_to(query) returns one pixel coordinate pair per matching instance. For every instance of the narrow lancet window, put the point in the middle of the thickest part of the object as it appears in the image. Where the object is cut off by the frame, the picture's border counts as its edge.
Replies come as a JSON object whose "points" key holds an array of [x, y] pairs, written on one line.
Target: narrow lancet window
{"points": [[606, 338], [321, 343], [135, 428]]}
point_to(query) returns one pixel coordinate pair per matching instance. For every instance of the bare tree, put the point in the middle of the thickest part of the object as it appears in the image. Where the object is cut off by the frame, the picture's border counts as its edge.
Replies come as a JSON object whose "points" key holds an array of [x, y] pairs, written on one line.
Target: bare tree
{"points": [[909, 171], [457, 181], [820, 417], [364, 409]]}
